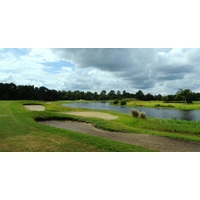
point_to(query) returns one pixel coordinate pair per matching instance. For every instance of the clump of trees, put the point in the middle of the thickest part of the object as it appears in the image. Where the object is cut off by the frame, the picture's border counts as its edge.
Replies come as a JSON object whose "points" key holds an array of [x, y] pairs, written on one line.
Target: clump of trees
{"points": [[10, 91], [182, 95], [27, 92], [186, 95]]}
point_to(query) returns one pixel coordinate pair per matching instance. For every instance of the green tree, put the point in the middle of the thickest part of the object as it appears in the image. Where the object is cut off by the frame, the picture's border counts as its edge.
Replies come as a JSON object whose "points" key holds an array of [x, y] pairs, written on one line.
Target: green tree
{"points": [[139, 95], [112, 95], [95, 96], [149, 97], [185, 94], [119, 95], [103, 95]]}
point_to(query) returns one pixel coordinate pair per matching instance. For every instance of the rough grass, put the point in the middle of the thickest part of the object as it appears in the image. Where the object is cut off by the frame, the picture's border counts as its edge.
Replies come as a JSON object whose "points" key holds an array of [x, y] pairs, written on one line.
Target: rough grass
{"points": [[135, 113], [143, 115]]}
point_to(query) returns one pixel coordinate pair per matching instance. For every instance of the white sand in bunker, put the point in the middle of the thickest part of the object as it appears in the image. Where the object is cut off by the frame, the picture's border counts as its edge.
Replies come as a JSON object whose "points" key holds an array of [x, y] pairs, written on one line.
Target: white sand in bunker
{"points": [[35, 107], [94, 114]]}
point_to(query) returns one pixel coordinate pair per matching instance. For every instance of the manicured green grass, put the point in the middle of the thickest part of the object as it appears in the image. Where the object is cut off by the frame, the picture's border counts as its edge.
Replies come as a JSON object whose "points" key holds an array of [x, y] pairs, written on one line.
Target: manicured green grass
{"points": [[20, 132]]}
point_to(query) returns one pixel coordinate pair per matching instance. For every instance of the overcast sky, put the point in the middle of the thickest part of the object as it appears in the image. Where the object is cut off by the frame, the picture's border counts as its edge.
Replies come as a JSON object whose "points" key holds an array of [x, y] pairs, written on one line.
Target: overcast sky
{"points": [[156, 71]]}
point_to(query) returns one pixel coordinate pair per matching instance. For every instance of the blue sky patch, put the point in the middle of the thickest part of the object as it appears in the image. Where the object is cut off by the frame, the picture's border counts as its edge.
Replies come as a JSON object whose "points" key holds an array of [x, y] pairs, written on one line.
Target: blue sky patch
{"points": [[56, 66], [16, 51], [59, 64]]}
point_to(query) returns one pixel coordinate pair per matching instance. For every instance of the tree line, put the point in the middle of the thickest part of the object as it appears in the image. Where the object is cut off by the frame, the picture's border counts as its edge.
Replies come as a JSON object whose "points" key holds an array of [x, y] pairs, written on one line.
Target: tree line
{"points": [[10, 91]]}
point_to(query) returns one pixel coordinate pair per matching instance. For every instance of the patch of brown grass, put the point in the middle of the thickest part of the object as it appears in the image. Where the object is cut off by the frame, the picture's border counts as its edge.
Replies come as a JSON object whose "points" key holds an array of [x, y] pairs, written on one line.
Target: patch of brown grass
{"points": [[47, 143], [143, 115]]}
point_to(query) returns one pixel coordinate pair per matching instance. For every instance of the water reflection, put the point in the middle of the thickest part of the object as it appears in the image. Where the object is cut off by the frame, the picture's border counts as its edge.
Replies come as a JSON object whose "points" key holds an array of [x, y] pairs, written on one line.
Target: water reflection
{"points": [[152, 112], [187, 115]]}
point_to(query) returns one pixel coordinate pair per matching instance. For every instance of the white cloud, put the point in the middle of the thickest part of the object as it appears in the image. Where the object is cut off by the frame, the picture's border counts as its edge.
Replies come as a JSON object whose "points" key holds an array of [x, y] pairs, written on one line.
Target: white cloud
{"points": [[151, 70]]}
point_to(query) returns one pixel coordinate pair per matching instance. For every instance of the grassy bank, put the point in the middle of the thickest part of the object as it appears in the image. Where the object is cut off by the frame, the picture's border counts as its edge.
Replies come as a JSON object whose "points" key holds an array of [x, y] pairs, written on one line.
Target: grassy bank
{"points": [[19, 132], [160, 104]]}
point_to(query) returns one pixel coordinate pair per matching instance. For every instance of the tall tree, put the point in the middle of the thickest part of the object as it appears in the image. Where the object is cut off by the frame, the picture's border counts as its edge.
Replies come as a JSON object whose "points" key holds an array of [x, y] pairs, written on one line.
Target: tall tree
{"points": [[149, 97], [185, 94], [119, 95], [103, 95], [112, 95], [139, 95]]}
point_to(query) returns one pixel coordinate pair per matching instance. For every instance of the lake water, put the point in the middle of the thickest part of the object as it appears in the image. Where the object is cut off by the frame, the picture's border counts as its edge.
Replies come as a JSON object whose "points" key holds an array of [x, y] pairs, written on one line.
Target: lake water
{"points": [[151, 112]]}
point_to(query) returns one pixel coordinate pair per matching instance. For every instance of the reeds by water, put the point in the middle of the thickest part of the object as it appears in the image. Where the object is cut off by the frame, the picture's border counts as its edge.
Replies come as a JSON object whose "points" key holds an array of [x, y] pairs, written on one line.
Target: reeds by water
{"points": [[136, 114]]}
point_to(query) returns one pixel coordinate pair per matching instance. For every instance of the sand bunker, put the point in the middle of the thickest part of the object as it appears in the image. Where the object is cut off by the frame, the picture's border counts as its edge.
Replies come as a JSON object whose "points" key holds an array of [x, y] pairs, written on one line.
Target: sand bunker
{"points": [[35, 107], [94, 114]]}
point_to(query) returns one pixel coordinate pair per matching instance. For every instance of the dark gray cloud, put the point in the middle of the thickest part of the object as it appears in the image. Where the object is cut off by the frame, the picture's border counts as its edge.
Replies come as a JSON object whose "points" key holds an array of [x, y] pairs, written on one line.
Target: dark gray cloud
{"points": [[130, 64], [176, 69], [109, 59], [172, 72], [140, 68]]}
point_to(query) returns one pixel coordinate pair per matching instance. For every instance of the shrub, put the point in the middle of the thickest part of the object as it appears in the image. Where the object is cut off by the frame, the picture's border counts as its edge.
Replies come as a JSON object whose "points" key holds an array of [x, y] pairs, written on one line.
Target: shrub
{"points": [[123, 103], [143, 115], [135, 113], [116, 102], [189, 101]]}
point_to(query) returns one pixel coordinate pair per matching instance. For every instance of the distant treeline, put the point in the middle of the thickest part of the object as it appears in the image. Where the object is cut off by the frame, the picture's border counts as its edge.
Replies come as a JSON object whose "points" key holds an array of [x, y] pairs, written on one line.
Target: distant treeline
{"points": [[10, 91]]}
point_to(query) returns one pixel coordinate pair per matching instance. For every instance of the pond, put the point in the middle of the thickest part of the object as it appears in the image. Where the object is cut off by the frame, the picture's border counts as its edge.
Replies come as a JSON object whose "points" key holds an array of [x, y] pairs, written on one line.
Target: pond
{"points": [[192, 115]]}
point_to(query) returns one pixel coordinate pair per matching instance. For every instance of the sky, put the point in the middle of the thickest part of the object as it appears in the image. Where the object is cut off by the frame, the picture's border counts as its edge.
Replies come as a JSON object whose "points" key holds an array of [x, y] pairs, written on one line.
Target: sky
{"points": [[152, 70]]}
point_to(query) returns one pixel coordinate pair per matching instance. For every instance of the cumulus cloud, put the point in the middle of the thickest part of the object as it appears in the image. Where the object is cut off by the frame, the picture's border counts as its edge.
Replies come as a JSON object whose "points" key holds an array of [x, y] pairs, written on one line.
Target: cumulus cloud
{"points": [[149, 69], [172, 72], [141, 68], [109, 59]]}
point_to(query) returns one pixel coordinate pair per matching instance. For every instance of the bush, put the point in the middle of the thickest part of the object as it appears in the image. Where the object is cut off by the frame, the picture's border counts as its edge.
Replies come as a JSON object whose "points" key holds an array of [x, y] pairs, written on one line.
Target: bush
{"points": [[143, 115], [116, 102], [135, 113], [123, 103]]}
